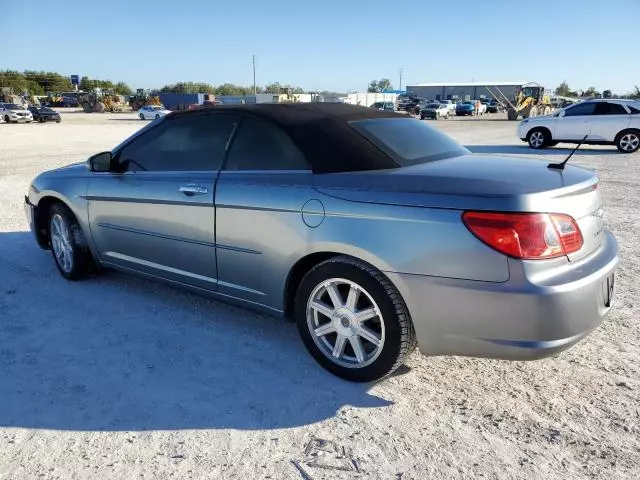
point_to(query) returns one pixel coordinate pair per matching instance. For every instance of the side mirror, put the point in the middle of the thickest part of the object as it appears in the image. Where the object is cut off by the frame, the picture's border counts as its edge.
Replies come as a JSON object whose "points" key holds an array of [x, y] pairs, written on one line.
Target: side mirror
{"points": [[100, 162]]}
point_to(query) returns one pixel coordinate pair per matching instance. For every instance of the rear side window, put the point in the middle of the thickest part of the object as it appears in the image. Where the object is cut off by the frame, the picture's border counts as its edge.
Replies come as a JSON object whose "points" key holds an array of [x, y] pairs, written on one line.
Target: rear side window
{"points": [[606, 108], [408, 141], [634, 110], [585, 108], [194, 143], [260, 145]]}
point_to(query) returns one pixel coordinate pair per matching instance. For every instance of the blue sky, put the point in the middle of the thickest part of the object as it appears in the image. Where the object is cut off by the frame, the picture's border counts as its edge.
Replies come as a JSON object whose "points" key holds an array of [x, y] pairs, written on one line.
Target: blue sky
{"points": [[328, 44]]}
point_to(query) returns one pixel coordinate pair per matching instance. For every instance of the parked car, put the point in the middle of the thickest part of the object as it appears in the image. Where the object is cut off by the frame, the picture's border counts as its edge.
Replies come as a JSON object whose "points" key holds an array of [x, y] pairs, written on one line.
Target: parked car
{"points": [[372, 231], [152, 111], [434, 111], [494, 106], [12, 113], [387, 106], [604, 122], [44, 114], [466, 108], [451, 106]]}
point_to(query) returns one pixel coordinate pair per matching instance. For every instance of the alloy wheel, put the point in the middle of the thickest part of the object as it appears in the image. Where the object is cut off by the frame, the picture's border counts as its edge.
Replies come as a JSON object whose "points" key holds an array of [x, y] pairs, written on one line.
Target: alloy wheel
{"points": [[61, 243], [629, 142], [345, 323], [537, 139]]}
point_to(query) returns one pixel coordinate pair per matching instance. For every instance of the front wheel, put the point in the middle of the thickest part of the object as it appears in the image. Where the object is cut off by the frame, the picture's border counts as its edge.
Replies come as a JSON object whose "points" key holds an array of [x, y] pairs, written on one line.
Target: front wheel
{"points": [[628, 142], [538, 138], [141, 116], [352, 320], [67, 242]]}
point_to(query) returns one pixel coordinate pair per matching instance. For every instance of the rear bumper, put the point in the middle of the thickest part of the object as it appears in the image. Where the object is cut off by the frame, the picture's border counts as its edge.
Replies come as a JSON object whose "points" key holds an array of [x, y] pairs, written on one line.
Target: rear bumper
{"points": [[515, 320]]}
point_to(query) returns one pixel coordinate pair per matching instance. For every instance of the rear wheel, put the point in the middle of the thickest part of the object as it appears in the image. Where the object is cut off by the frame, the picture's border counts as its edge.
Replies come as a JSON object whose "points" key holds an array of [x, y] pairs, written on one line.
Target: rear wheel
{"points": [[538, 138], [628, 141], [352, 320], [512, 114], [157, 116], [7, 119]]}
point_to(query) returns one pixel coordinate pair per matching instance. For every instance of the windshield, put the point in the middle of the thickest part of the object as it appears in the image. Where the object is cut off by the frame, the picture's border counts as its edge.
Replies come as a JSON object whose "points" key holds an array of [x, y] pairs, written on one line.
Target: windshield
{"points": [[12, 106], [433, 105], [158, 108], [408, 141]]}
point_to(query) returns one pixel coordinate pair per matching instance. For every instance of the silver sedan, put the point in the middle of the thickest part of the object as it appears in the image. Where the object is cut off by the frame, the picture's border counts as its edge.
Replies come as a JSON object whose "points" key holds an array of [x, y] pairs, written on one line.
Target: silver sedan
{"points": [[372, 231]]}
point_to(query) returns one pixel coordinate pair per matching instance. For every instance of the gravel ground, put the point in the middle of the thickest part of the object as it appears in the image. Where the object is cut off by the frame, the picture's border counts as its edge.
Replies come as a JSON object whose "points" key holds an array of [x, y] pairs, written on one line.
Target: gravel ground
{"points": [[117, 377]]}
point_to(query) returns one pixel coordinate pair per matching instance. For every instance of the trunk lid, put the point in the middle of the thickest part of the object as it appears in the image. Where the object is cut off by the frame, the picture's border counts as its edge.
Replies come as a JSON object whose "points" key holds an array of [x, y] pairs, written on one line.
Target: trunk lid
{"points": [[481, 182]]}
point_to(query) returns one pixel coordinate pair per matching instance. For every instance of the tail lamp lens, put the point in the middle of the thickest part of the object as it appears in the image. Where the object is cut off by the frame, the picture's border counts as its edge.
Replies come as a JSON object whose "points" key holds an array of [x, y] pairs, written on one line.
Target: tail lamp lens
{"points": [[528, 236]]}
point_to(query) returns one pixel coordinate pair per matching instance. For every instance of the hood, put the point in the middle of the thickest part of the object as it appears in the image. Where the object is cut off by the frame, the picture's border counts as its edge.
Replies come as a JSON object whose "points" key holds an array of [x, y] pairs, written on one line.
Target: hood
{"points": [[74, 170], [488, 182]]}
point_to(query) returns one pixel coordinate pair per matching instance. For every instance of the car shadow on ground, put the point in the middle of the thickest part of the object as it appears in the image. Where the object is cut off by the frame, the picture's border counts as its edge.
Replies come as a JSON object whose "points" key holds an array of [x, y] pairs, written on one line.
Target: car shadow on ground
{"points": [[116, 353], [526, 151]]}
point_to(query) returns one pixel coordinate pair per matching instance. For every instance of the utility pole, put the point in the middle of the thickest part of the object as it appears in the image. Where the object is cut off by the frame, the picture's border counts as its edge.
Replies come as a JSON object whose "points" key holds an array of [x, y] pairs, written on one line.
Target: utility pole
{"points": [[400, 88], [253, 60]]}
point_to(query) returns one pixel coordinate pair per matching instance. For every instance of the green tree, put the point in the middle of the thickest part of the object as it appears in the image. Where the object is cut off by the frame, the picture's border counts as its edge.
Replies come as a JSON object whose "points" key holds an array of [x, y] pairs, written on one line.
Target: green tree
{"points": [[188, 87], [377, 86], [636, 92], [607, 94], [231, 89], [272, 87], [591, 92], [563, 90], [122, 88]]}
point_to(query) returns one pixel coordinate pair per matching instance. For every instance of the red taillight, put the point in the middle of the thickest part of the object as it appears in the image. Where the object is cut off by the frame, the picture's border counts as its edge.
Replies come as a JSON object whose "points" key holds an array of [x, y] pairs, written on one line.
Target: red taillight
{"points": [[527, 236]]}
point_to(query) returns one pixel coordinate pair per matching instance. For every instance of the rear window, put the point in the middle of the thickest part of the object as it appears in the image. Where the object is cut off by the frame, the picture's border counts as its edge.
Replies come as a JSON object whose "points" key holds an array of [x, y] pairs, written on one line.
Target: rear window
{"points": [[408, 141]]}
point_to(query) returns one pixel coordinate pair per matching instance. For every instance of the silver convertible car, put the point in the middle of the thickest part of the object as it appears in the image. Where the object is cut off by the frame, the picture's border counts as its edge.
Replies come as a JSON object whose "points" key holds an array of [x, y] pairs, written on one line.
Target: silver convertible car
{"points": [[372, 231]]}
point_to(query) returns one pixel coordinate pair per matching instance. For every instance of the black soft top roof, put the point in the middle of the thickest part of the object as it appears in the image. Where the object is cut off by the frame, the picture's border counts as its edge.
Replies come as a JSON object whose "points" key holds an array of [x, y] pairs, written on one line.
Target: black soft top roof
{"points": [[321, 131]]}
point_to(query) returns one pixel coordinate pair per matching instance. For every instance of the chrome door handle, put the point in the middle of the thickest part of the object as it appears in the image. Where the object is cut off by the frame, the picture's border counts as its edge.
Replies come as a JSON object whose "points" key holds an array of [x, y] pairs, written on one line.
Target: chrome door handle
{"points": [[192, 189]]}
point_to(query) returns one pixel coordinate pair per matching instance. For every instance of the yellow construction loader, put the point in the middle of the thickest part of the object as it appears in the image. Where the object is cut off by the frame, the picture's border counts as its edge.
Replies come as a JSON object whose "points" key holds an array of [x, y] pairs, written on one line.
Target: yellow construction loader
{"points": [[531, 100]]}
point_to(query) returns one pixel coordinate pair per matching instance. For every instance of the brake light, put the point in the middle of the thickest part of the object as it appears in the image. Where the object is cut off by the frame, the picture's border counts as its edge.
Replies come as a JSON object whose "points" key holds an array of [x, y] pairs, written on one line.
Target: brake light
{"points": [[528, 236]]}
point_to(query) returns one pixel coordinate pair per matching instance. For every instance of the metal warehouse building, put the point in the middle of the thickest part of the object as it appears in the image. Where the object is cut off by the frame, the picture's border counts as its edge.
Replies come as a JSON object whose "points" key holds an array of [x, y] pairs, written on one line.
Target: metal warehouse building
{"points": [[464, 91]]}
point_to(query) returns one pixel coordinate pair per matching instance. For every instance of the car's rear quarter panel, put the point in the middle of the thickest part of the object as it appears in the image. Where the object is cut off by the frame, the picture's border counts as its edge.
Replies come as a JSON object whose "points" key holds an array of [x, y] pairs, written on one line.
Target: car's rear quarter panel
{"points": [[413, 240]]}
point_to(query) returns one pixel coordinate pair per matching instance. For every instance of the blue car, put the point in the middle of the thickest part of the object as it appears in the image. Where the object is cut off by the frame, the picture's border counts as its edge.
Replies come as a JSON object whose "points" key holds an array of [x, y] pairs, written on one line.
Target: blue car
{"points": [[465, 108]]}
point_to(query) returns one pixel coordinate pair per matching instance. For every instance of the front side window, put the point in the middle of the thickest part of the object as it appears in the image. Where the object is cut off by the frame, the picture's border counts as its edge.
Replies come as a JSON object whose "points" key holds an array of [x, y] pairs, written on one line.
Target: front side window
{"points": [[408, 141], [585, 108], [260, 145], [634, 110], [192, 143]]}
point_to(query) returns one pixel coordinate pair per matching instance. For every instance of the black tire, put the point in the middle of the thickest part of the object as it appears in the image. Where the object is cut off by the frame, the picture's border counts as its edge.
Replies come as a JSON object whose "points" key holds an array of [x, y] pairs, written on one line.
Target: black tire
{"points": [[421, 117], [7, 119], [399, 337], [157, 116], [141, 116], [538, 138], [628, 141], [81, 261], [57, 121]]}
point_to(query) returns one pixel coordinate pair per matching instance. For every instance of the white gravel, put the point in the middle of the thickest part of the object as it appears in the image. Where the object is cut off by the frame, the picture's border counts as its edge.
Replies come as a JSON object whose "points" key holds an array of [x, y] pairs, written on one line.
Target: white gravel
{"points": [[117, 377]]}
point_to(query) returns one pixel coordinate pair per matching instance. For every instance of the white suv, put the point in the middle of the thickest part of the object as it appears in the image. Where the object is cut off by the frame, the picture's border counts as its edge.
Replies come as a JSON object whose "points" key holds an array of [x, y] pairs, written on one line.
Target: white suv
{"points": [[603, 122], [14, 113]]}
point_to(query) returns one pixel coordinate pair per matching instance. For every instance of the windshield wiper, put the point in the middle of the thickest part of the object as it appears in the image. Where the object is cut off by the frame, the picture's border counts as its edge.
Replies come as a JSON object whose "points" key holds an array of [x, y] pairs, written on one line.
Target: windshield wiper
{"points": [[560, 166]]}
